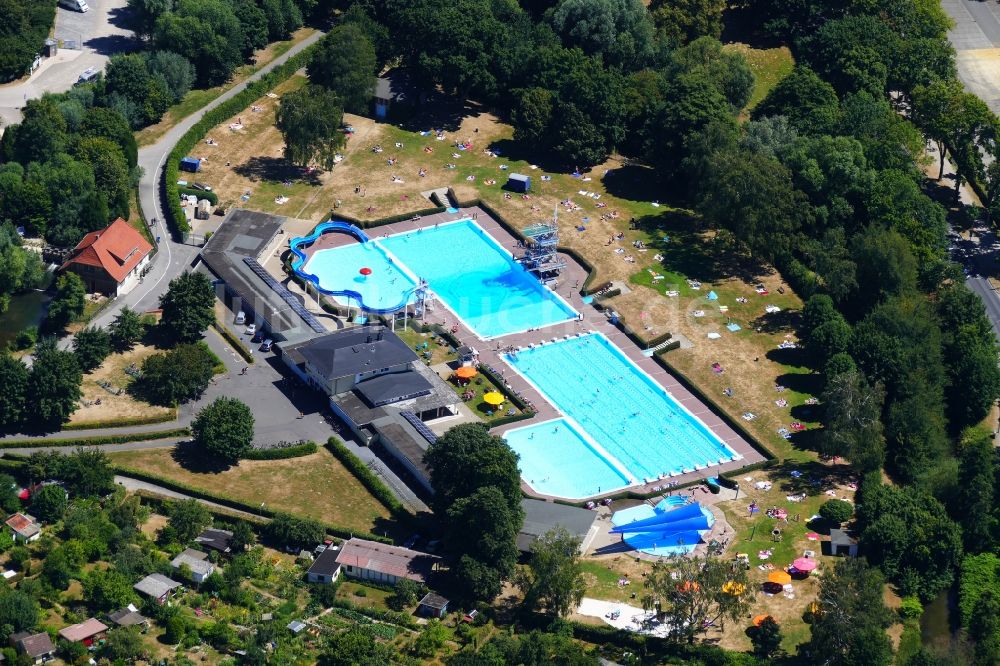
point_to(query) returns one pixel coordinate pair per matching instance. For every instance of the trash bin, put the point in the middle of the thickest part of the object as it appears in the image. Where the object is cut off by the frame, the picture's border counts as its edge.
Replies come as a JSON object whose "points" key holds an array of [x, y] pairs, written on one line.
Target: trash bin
{"points": [[51, 47]]}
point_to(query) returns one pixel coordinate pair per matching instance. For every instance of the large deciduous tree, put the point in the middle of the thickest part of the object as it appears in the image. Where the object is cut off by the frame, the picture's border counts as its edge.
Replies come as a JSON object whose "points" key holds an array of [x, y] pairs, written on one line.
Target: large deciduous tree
{"points": [[91, 346], [310, 122], [54, 386], [345, 63], [852, 422], [13, 398], [125, 330], [553, 579], [187, 307], [224, 429], [848, 628], [182, 374]]}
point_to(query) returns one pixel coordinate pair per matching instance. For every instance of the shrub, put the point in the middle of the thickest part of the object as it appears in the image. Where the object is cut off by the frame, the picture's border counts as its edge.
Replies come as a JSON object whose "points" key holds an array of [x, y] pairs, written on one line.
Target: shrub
{"points": [[282, 452], [910, 608], [836, 511]]}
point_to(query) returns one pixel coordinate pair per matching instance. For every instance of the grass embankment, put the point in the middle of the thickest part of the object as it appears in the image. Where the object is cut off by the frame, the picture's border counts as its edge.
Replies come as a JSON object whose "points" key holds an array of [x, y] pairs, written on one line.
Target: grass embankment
{"points": [[769, 66], [315, 486]]}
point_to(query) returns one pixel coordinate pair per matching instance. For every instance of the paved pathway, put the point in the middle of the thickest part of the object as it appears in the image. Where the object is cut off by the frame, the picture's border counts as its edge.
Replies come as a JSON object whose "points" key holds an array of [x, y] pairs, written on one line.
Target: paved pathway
{"points": [[135, 484]]}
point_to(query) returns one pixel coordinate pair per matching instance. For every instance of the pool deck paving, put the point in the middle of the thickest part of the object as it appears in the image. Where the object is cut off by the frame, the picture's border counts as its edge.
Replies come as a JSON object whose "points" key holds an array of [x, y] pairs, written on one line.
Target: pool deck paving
{"points": [[571, 278]]}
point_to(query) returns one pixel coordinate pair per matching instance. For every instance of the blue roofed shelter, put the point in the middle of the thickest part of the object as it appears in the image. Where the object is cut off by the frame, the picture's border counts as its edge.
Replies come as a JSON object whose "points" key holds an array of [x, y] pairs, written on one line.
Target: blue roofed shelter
{"points": [[519, 182]]}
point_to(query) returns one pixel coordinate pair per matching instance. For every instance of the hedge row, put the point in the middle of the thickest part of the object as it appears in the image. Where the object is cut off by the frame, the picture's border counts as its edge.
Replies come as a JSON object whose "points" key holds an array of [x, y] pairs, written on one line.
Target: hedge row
{"points": [[237, 344], [254, 90], [94, 441], [297, 451], [499, 382], [237, 504], [122, 422], [159, 504], [367, 478], [659, 339], [212, 197], [676, 344], [507, 420]]}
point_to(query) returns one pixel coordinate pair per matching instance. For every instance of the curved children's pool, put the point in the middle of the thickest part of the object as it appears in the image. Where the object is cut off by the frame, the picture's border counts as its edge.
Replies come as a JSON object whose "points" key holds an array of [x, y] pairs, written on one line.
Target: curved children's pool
{"points": [[462, 265], [636, 425]]}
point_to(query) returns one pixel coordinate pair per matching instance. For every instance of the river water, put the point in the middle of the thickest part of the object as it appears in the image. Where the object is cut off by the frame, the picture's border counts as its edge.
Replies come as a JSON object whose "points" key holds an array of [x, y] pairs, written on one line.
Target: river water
{"points": [[26, 309]]}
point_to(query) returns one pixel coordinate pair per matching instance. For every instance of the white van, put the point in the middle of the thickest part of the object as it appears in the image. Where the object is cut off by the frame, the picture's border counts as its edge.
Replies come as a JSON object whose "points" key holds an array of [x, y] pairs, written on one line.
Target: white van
{"points": [[75, 5], [87, 75], [241, 318]]}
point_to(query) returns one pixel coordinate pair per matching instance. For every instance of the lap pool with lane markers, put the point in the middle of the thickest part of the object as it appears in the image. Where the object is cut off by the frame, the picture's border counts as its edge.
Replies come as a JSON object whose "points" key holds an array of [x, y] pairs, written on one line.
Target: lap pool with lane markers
{"points": [[625, 420]]}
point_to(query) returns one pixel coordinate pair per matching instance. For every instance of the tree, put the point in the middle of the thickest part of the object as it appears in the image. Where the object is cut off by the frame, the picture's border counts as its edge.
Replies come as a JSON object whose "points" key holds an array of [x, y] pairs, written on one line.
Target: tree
{"points": [[355, 647], [111, 172], [309, 121], [125, 644], [108, 124], [908, 535], [54, 386], [694, 593], [42, 132], [984, 628], [853, 420], [243, 537], [68, 302], [187, 307], [14, 376], [808, 102], [344, 63], [91, 345], [851, 617], [224, 429], [288, 530], [467, 458], [953, 118], [108, 590], [9, 500], [683, 21], [620, 31], [142, 15], [977, 472], [182, 374], [753, 198], [765, 638], [477, 491], [207, 33], [18, 610], [431, 639], [836, 511], [404, 594], [970, 355], [87, 473], [176, 70], [49, 503], [188, 518], [125, 330], [554, 579]]}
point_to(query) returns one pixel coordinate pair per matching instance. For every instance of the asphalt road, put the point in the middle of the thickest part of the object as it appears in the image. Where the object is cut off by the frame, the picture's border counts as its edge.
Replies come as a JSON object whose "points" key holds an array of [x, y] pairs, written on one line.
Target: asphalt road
{"points": [[97, 34]]}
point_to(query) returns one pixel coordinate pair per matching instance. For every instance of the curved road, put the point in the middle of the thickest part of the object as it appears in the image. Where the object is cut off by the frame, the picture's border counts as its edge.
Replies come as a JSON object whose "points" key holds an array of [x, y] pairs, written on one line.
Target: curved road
{"points": [[172, 258]]}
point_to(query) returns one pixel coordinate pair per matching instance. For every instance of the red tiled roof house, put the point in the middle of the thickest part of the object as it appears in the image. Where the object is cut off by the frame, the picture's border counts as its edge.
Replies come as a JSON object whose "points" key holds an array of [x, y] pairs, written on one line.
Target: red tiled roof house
{"points": [[110, 260]]}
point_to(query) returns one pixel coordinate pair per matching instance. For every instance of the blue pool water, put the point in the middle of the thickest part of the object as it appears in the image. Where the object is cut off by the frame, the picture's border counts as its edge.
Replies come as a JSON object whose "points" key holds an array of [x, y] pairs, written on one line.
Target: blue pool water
{"points": [[477, 279], [338, 270], [619, 407], [556, 459]]}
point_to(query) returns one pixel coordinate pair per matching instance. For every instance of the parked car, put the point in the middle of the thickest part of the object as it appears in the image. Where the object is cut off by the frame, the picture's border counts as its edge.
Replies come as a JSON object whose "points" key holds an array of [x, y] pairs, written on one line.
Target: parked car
{"points": [[258, 337], [88, 74], [266, 347], [251, 329]]}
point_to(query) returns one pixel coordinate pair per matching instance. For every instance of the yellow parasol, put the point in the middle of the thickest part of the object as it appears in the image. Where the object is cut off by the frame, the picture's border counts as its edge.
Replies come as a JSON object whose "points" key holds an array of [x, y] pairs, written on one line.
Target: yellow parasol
{"points": [[734, 588], [493, 398]]}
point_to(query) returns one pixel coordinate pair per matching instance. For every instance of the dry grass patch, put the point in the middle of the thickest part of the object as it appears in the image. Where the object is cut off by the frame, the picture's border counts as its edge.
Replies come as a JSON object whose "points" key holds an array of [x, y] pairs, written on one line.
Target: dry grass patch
{"points": [[112, 406], [153, 525], [316, 486]]}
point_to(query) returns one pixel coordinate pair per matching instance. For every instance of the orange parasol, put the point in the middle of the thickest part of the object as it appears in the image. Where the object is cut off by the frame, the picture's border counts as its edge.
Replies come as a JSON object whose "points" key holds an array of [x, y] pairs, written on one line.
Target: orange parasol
{"points": [[779, 578], [466, 372], [493, 398], [759, 620]]}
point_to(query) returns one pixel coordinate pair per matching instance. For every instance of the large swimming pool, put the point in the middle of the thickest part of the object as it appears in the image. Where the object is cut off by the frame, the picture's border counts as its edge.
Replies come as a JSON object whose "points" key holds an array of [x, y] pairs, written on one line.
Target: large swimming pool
{"points": [[478, 279], [637, 426], [464, 267]]}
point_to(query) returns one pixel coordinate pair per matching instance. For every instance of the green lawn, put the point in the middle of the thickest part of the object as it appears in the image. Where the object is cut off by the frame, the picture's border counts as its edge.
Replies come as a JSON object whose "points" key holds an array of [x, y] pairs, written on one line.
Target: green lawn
{"points": [[769, 66], [362, 595]]}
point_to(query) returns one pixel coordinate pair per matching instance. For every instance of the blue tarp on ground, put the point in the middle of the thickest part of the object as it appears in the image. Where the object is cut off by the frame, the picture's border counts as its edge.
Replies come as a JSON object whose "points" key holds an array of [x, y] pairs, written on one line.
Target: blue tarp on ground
{"points": [[712, 296]]}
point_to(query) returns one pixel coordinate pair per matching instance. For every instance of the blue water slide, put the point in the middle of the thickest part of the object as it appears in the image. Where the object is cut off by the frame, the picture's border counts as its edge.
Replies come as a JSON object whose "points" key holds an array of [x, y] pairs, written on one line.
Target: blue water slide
{"points": [[296, 244], [683, 513], [688, 525], [648, 540]]}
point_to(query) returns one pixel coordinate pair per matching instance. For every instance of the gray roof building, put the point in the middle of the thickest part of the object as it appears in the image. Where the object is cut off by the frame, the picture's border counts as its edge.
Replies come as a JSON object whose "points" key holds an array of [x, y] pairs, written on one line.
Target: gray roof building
{"points": [[196, 561], [540, 517], [128, 617], [354, 351], [215, 539], [156, 586]]}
